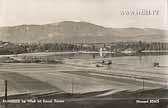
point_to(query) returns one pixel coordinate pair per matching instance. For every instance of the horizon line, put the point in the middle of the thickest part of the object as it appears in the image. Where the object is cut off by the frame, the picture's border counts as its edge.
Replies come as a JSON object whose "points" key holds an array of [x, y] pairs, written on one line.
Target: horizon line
{"points": [[14, 25]]}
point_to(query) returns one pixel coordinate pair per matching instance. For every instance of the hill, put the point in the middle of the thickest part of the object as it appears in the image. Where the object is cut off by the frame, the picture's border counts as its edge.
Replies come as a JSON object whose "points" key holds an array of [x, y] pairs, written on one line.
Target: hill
{"points": [[69, 31]]}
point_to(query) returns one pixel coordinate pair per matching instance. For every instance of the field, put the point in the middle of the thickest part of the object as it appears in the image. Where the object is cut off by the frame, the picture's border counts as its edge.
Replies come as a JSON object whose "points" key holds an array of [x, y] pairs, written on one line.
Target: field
{"points": [[128, 77], [82, 75]]}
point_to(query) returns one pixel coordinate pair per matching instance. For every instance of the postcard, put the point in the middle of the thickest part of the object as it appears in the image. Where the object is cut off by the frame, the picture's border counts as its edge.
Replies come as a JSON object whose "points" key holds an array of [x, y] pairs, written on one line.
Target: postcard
{"points": [[83, 53]]}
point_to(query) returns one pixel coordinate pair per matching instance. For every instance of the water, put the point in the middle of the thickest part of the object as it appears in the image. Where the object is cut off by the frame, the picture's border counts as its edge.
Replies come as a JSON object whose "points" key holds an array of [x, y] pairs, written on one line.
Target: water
{"points": [[143, 60]]}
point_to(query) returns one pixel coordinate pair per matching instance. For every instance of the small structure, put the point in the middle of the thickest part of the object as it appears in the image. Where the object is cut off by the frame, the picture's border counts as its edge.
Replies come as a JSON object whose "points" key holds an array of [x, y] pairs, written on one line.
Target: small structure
{"points": [[99, 65], [109, 62], [155, 64], [103, 63]]}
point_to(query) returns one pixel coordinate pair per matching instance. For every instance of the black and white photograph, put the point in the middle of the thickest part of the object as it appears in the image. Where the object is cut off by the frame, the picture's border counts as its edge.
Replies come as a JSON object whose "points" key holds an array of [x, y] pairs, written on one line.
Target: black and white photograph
{"points": [[83, 53]]}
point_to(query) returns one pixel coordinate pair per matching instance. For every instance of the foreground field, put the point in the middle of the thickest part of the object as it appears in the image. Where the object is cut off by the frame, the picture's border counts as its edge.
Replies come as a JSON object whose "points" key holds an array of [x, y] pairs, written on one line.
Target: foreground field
{"points": [[83, 85], [81, 76]]}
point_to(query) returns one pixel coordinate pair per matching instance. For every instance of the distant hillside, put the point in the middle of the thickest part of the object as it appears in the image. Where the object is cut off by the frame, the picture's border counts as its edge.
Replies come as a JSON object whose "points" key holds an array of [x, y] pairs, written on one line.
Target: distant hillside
{"points": [[69, 31]]}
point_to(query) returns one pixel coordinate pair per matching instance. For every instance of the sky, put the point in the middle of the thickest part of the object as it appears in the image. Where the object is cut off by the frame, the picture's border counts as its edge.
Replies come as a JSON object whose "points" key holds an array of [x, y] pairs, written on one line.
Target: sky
{"points": [[101, 12]]}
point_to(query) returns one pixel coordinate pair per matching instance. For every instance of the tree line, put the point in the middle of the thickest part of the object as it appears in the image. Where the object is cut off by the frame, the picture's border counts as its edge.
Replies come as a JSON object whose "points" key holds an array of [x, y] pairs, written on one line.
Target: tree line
{"points": [[52, 47]]}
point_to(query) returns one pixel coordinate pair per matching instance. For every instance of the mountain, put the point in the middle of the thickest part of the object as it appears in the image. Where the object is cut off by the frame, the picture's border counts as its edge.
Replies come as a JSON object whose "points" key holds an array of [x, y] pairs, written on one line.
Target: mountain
{"points": [[69, 31]]}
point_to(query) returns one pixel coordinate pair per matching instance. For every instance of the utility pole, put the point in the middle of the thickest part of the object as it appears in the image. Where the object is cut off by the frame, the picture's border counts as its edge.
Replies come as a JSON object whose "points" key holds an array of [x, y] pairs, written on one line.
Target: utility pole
{"points": [[143, 84], [6, 93], [6, 90], [72, 87]]}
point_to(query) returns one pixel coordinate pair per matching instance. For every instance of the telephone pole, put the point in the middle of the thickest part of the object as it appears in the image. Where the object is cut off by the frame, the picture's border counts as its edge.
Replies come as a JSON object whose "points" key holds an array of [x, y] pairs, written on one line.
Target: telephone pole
{"points": [[6, 90], [6, 93]]}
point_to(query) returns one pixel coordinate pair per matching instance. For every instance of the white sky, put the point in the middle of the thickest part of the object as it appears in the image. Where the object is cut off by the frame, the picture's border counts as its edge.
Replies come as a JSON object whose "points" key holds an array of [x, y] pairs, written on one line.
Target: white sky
{"points": [[101, 12]]}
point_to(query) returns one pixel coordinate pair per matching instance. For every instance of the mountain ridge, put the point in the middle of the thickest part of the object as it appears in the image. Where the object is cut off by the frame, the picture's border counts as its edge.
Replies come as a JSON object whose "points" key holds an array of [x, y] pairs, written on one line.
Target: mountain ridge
{"points": [[70, 31]]}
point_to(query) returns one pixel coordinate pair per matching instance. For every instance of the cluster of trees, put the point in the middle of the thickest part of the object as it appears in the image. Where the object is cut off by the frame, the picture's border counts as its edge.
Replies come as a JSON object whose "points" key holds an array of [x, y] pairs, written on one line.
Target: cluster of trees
{"points": [[139, 46], [10, 48], [50, 47]]}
